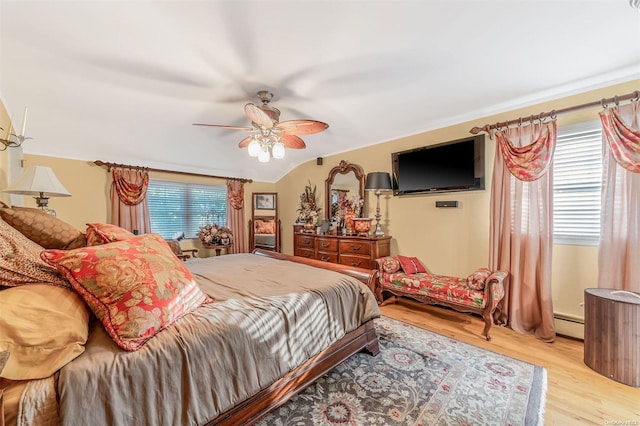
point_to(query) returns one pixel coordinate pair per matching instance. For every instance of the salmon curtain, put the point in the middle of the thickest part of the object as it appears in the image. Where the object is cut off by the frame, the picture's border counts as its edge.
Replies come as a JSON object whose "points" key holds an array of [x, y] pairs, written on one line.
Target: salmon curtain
{"points": [[521, 228], [129, 205], [235, 214], [619, 250]]}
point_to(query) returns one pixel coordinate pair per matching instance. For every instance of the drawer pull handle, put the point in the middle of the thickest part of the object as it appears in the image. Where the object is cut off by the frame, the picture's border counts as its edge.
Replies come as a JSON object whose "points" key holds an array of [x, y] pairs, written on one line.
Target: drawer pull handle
{"points": [[356, 248], [356, 263], [325, 258], [325, 245]]}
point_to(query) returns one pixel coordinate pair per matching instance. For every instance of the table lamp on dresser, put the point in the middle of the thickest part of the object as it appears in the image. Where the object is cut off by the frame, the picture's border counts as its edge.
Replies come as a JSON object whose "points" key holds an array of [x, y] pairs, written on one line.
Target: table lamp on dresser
{"points": [[378, 182]]}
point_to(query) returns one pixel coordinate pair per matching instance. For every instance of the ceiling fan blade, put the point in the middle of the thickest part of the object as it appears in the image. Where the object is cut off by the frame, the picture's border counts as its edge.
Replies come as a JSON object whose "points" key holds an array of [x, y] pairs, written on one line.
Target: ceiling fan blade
{"points": [[245, 142], [292, 141], [302, 127], [225, 127], [258, 116]]}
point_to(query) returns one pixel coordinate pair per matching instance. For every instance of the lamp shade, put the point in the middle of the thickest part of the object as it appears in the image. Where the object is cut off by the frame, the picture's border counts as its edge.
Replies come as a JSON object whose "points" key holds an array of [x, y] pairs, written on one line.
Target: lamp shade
{"points": [[378, 181], [36, 180]]}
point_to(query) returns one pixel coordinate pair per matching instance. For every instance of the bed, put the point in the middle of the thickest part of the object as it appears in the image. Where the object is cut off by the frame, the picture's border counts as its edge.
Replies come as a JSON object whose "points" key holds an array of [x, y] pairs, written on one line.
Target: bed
{"points": [[270, 326]]}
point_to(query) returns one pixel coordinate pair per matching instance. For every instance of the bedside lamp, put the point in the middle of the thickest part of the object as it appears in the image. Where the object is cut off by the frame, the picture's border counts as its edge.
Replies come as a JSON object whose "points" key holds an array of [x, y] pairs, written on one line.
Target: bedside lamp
{"points": [[378, 182], [41, 182]]}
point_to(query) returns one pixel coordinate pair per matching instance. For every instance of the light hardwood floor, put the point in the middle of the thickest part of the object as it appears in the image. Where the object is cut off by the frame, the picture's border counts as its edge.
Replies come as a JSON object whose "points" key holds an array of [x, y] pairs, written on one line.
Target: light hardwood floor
{"points": [[576, 394]]}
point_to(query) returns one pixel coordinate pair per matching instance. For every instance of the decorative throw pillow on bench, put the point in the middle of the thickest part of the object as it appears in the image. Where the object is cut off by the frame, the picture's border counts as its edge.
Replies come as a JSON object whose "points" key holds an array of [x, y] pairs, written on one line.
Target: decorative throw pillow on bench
{"points": [[411, 265], [478, 278]]}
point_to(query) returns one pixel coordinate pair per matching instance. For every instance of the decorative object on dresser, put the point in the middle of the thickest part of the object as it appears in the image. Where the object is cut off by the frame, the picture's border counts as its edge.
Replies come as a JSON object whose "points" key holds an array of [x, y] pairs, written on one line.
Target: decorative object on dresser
{"points": [[479, 293], [41, 182], [362, 226], [348, 250], [612, 334], [308, 210], [378, 182]]}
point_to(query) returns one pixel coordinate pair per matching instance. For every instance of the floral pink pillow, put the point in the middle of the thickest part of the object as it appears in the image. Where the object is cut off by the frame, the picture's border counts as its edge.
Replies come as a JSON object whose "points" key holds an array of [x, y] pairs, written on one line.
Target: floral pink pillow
{"points": [[389, 264], [135, 287], [476, 280], [265, 226], [103, 233], [411, 265]]}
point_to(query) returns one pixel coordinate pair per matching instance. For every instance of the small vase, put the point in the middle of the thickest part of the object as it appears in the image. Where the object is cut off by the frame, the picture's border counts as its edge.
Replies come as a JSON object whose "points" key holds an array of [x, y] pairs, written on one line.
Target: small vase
{"points": [[348, 221], [309, 226]]}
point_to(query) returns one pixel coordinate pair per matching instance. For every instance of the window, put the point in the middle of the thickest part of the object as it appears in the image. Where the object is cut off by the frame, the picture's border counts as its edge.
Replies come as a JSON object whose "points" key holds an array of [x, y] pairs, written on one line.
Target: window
{"points": [[577, 182], [176, 207]]}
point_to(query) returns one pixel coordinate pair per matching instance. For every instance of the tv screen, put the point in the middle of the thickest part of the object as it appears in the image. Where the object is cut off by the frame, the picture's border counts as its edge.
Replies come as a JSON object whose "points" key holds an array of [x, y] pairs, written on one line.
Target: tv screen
{"points": [[451, 166]]}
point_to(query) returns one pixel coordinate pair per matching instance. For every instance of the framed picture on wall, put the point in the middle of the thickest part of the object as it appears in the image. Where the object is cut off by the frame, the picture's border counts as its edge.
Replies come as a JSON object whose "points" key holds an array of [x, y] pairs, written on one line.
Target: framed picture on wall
{"points": [[265, 201]]}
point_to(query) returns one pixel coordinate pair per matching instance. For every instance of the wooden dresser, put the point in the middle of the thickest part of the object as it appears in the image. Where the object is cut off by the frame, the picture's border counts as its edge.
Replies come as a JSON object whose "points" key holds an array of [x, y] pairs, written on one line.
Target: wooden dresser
{"points": [[348, 250]]}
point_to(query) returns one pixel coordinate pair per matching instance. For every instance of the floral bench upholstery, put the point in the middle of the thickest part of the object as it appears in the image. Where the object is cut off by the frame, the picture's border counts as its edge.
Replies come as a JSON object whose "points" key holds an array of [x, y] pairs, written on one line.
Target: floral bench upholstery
{"points": [[479, 293]]}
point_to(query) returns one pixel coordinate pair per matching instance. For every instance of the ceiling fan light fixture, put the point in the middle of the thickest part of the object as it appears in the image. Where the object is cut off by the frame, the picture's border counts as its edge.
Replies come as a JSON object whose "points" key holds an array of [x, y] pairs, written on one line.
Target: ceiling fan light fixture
{"points": [[278, 150], [264, 156], [270, 137], [254, 148]]}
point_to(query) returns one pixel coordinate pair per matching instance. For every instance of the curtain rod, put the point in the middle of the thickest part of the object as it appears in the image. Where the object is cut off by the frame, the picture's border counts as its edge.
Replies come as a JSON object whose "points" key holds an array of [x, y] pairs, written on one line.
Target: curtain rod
{"points": [[127, 166], [553, 113]]}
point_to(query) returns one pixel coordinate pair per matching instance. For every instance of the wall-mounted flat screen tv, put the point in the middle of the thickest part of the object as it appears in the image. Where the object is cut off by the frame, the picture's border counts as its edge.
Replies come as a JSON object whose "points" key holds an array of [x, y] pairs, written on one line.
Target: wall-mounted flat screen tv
{"points": [[446, 167]]}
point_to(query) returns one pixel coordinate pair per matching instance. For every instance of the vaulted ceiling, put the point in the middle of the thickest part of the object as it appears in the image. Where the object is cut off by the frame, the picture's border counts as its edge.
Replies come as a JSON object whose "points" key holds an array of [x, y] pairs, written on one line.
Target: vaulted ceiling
{"points": [[123, 81]]}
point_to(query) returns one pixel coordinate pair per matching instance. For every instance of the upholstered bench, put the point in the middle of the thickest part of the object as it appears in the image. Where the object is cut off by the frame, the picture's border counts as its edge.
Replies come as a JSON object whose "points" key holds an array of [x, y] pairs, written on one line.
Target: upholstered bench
{"points": [[479, 293]]}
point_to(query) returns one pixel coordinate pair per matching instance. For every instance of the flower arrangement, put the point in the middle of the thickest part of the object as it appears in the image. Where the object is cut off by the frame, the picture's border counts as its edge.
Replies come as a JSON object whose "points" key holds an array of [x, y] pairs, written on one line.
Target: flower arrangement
{"points": [[215, 235], [308, 210], [345, 204], [353, 203]]}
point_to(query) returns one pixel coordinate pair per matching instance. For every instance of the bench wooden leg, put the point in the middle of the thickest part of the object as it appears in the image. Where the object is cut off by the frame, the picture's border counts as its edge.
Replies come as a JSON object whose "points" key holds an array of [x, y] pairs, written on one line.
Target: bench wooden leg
{"points": [[488, 321], [390, 300]]}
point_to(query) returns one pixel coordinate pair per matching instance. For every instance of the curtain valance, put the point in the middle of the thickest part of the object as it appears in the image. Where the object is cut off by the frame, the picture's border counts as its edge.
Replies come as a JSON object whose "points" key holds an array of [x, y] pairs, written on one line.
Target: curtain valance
{"points": [[622, 139], [529, 162], [131, 189]]}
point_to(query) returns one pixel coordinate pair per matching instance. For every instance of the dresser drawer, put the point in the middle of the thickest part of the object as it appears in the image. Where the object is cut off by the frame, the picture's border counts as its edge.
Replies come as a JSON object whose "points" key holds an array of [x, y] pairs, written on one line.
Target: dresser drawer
{"points": [[353, 260], [308, 253], [328, 244], [354, 247], [328, 257], [305, 241]]}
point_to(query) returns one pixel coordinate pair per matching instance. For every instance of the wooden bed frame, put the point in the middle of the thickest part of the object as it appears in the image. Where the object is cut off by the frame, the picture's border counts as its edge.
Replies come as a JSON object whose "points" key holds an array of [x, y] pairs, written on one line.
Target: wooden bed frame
{"points": [[362, 338]]}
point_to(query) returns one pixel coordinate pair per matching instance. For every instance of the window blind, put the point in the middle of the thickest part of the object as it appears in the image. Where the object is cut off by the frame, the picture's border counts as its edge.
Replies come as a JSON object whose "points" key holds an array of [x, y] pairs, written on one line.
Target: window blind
{"points": [[176, 207], [577, 182]]}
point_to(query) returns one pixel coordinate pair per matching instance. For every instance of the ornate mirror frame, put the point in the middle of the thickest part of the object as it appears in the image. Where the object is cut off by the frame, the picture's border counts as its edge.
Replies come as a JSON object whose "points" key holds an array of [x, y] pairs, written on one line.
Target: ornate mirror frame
{"points": [[343, 168]]}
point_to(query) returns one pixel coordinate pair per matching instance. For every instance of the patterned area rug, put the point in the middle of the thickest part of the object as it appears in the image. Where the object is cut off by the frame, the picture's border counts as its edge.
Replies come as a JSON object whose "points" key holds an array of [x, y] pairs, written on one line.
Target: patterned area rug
{"points": [[420, 378]]}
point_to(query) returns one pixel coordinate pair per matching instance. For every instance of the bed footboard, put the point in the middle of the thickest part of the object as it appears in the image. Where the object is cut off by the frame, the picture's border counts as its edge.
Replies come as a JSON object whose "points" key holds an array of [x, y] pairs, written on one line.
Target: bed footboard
{"points": [[268, 399], [366, 276]]}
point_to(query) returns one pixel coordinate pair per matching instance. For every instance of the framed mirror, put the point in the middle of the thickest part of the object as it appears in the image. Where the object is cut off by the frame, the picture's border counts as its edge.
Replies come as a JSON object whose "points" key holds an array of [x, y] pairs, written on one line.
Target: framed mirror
{"points": [[264, 226], [345, 182]]}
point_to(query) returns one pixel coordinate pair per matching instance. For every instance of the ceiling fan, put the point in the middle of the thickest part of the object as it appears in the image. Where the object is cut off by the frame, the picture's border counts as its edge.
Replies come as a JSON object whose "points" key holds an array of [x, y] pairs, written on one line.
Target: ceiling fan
{"points": [[271, 136]]}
